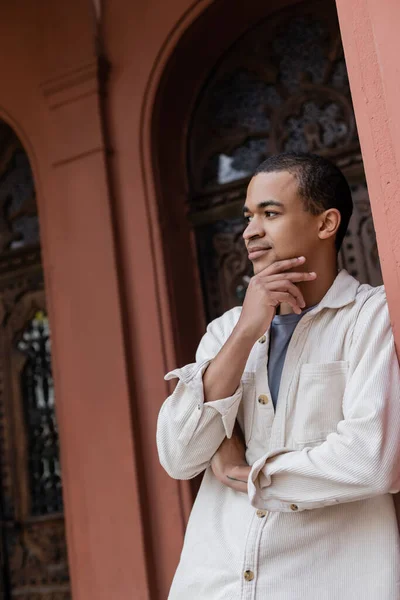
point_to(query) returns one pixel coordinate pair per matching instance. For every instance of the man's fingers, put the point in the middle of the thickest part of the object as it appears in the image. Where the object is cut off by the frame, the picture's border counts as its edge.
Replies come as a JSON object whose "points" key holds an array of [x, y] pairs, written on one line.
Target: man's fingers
{"points": [[237, 478], [296, 277], [284, 285], [238, 486], [287, 298], [242, 472], [280, 266]]}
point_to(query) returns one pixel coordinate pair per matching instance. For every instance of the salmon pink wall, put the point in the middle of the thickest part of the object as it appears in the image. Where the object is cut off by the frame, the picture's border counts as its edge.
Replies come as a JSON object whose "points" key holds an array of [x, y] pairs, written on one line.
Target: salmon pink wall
{"points": [[371, 41], [50, 95], [138, 39]]}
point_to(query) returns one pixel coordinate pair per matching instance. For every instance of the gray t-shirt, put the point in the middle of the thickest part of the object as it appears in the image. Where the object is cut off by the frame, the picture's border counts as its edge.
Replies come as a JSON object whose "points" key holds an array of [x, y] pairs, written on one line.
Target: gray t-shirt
{"points": [[282, 328]]}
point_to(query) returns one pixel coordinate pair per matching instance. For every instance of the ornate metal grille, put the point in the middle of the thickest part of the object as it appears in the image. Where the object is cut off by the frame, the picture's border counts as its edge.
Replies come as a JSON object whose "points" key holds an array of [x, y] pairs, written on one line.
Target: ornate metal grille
{"points": [[32, 532], [282, 87], [19, 223], [38, 398]]}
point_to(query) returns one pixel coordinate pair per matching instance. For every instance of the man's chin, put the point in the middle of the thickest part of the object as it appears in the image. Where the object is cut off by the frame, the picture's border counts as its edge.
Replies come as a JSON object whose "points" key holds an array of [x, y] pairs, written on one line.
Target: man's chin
{"points": [[259, 266]]}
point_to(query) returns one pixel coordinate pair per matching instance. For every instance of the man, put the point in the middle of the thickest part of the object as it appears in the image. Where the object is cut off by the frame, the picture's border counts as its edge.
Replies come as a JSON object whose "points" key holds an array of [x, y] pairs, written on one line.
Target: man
{"points": [[301, 508]]}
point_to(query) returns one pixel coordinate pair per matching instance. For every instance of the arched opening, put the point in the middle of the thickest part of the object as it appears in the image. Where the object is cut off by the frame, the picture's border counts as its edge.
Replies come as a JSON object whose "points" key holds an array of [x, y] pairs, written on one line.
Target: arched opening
{"points": [[32, 532], [281, 87], [267, 79]]}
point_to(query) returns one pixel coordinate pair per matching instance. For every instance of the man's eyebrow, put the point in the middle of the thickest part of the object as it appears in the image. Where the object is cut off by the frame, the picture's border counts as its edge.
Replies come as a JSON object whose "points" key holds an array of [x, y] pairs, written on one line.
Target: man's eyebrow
{"points": [[265, 204]]}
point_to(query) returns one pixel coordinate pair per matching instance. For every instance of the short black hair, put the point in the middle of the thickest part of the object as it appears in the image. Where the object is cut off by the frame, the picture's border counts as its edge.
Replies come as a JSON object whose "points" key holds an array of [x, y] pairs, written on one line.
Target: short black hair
{"points": [[322, 184]]}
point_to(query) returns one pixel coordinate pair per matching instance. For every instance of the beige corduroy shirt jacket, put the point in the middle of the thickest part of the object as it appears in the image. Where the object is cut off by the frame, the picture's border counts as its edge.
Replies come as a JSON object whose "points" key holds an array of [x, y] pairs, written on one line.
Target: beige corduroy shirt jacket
{"points": [[318, 522]]}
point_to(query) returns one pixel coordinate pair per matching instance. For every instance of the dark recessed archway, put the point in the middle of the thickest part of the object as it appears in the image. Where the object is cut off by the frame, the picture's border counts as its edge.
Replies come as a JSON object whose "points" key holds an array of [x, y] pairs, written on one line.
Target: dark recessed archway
{"points": [[194, 58]]}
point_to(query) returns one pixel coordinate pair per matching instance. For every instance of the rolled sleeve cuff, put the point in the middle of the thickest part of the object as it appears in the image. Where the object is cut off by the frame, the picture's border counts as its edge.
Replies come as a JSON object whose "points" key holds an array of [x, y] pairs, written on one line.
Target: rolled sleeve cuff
{"points": [[192, 377], [259, 484], [227, 408]]}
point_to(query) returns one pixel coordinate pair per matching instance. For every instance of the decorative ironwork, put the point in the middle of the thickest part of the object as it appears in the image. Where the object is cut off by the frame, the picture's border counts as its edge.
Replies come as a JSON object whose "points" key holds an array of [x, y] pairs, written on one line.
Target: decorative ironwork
{"points": [[282, 87], [32, 535], [359, 254], [35, 554], [224, 265], [19, 223], [38, 398]]}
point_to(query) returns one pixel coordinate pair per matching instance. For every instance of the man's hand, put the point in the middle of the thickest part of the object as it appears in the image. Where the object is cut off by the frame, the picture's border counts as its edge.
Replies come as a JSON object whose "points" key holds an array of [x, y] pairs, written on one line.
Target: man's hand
{"points": [[272, 286], [229, 463], [268, 289]]}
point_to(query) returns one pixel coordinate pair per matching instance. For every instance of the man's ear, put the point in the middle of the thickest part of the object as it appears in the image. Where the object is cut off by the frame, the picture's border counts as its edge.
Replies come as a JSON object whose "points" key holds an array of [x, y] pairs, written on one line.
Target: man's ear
{"points": [[329, 223]]}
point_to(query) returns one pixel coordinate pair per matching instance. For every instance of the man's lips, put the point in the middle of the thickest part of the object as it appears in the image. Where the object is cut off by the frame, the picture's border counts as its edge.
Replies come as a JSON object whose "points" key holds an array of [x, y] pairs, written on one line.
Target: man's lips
{"points": [[257, 251]]}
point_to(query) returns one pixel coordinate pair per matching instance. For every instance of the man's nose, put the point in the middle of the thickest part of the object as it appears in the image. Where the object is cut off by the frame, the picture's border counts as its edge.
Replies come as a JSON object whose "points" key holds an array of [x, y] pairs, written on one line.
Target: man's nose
{"points": [[253, 229]]}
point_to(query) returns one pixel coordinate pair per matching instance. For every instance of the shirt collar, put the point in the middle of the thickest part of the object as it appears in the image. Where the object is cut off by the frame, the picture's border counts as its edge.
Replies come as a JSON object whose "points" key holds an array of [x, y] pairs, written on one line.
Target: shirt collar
{"points": [[342, 292]]}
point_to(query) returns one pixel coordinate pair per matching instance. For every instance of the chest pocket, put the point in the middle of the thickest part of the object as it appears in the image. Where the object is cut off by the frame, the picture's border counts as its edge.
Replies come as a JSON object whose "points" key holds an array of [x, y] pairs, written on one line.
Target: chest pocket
{"points": [[319, 400]]}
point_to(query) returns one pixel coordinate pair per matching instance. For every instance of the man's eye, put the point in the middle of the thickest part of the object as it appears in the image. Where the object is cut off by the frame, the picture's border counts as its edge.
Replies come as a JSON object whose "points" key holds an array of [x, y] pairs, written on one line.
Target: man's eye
{"points": [[271, 213], [247, 218]]}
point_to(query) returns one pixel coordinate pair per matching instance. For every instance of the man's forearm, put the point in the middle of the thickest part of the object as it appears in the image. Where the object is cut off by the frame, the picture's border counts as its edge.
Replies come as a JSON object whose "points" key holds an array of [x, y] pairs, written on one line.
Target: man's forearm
{"points": [[223, 375]]}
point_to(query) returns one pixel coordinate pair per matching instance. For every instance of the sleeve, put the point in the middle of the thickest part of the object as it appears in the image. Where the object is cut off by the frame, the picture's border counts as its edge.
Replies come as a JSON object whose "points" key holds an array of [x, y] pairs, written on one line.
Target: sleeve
{"points": [[189, 430], [361, 458]]}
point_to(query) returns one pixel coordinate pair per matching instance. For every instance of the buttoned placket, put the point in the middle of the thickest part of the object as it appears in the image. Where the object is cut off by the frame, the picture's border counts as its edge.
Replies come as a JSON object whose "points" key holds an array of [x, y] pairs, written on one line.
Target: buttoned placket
{"points": [[250, 563], [263, 409], [294, 352], [264, 398]]}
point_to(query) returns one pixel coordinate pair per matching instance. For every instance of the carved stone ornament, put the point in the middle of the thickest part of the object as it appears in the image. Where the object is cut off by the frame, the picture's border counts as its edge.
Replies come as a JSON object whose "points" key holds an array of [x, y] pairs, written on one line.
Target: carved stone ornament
{"points": [[38, 560]]}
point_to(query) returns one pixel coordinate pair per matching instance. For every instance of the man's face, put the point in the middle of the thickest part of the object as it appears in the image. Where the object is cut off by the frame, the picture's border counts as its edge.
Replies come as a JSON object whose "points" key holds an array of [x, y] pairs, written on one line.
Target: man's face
{"points": [[278, 225]]}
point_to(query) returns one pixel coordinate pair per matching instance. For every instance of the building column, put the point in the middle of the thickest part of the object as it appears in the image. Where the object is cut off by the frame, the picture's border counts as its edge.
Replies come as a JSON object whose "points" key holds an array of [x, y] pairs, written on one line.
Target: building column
{"points": [[371, 41], [102, 487]]}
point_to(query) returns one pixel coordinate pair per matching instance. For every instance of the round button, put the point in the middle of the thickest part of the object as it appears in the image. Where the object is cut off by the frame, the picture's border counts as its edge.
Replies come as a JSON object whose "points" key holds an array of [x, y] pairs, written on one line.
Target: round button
{"points": [[262, 339], [261, 513], [248, 575], [263, 399], [294, 507]]}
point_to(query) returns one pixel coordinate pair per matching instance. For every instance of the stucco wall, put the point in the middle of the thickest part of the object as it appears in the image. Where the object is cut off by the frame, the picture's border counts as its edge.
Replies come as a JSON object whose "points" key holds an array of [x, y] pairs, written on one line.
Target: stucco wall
{"points": [[50, 95], [371, 42]]}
